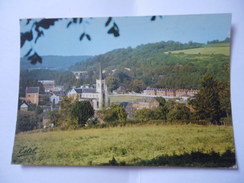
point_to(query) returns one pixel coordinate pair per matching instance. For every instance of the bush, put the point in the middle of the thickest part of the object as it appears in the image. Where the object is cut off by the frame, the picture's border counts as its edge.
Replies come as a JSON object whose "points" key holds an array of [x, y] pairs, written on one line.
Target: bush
{"points": [[80, 112], [26, 121], [179, 112], [113, 113]]}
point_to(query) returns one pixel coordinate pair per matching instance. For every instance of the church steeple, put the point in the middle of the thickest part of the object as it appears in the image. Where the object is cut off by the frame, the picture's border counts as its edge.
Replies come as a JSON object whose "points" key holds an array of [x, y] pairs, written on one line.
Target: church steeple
{"points": [[100, 72]]}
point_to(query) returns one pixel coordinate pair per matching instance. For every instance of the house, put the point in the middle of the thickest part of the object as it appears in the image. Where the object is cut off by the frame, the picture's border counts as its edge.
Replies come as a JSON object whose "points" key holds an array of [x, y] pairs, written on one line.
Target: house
{"points": [[75, 93], [165, 92], [130, 110], [32, 95], [80, 74], [56, 97], [24, 107], [49, 85], [121, 90], [146, 102], [150, 91]]}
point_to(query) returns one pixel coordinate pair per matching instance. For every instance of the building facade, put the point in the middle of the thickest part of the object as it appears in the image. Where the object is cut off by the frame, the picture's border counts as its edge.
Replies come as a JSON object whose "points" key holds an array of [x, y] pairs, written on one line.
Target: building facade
{"points": [[97, 96], [32, 95], [170, 92], [49, 85]]}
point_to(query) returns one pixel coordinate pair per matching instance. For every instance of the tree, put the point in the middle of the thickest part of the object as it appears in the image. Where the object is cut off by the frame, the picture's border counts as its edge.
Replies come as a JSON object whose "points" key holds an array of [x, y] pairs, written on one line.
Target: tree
{"points": [[81, 111], [179, 112], [113, 113], [144, 114], [54, 117], [112, 82], [137, 85], [26, 121], [161, 101], [207, 102]]}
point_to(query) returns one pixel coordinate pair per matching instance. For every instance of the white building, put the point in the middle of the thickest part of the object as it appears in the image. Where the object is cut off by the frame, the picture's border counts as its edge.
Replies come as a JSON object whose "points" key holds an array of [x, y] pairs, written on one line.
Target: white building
{"points": [[98, 96]]}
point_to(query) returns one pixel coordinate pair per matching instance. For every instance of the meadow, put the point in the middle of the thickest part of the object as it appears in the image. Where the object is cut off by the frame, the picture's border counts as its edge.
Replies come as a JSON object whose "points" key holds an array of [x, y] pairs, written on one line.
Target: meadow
{"points": [[134, 145], [210, 49]]}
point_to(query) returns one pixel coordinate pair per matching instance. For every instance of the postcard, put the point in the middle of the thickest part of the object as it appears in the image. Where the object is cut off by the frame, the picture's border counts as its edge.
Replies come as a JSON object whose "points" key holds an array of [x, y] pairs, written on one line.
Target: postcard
{"points": [[125, 91]]}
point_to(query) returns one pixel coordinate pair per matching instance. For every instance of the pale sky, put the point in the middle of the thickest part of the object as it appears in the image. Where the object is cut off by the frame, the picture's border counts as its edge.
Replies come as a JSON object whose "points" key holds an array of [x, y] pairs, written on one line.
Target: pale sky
{"points": [[134, 31]]}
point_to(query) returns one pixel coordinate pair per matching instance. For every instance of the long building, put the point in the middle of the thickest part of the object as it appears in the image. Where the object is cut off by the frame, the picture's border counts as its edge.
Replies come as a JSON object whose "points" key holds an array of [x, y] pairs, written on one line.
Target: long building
{"points": [[170, 92]]}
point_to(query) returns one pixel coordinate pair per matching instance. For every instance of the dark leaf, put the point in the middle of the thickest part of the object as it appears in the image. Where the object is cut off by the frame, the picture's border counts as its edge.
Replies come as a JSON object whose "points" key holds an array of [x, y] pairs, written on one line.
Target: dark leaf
{"points": [[108, 21], [69, 24], [81, 19], [39, 33], [28, 21], [46, 23], [74, 20], [116, 34], [28, 53], [81, 36], [27, 36], [88, 37], [113, 31], [35, 58], [116, 27], [153, 18]]}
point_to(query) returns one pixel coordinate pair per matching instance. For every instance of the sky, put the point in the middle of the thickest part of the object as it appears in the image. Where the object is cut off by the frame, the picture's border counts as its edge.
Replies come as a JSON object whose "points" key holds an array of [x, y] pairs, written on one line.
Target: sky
{"points": [[134, 31]]}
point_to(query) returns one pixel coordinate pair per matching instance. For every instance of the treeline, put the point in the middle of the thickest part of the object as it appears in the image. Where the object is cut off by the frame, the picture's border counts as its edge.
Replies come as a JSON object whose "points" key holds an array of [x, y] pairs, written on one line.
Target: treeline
{"points": [[31, 77], [149, 65], [226, 40]]}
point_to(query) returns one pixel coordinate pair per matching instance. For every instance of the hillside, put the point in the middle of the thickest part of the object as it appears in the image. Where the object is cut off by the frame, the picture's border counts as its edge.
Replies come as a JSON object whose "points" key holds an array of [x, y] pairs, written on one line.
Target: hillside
{"points": [[53, 62], [209, 49], [164, 64]]}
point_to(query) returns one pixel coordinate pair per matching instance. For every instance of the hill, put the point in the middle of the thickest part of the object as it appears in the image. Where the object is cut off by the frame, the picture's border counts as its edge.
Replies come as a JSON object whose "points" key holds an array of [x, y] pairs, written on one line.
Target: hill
{"points": [[208, 49], [52, 62], [164, 64]]}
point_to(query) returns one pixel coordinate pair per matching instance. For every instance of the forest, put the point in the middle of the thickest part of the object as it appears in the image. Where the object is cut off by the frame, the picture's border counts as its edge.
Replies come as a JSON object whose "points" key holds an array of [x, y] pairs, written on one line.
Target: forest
{"points": [[156, 65]]}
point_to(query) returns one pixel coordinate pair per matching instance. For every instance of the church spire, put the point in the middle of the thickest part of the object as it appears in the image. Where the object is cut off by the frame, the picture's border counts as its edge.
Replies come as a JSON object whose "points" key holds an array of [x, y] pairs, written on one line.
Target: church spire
{"points": [[100, 72]]}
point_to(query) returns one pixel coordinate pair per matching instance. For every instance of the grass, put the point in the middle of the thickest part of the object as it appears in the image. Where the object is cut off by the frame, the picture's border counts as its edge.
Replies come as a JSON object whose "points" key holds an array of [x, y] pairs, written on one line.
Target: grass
{"points": [[207, 50], [130, 145]]}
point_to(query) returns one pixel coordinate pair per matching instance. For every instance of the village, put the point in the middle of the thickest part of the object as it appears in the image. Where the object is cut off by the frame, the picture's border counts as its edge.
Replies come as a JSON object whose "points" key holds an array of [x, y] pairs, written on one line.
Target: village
{"points": [[98, 96]]}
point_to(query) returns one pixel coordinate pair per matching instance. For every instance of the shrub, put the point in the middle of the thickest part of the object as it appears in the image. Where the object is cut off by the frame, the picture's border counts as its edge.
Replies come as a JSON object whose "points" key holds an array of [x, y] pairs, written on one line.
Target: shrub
{"points": [[26, 121]]}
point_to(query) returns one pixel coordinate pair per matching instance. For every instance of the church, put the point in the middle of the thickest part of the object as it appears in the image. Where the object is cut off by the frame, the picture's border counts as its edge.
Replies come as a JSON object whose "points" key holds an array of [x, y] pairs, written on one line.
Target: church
{"points": [[97, 96]]}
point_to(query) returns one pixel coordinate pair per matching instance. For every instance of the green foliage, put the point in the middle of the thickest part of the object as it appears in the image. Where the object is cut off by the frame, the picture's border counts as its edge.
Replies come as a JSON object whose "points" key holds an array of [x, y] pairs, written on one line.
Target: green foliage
{"points": [[27, 82], [112, 82], [54, 117], [144, 114], [161, 101], [113, 113], [81, 111], [27, 121], [151, 65], [179, 112], [137, 85], [157, 113], [207, 102]]}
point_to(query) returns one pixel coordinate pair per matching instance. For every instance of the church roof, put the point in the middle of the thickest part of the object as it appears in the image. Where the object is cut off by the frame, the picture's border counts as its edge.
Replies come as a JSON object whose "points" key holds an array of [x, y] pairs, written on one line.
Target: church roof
{"points": [[89, 90], [32, 89], [85, 90]]}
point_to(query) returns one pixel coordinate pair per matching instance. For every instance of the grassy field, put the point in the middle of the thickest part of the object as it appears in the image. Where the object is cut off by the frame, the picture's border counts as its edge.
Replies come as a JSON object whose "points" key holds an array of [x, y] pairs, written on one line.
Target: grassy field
{"points": [[212, 49], [130, 145]]}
